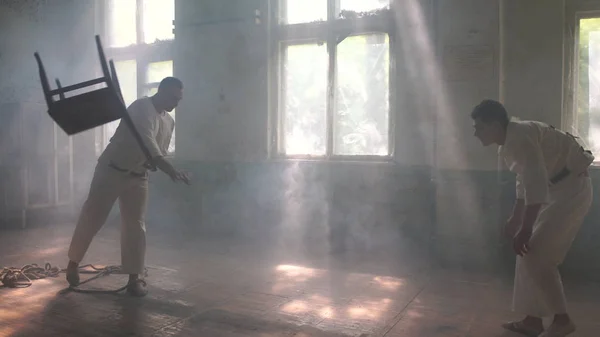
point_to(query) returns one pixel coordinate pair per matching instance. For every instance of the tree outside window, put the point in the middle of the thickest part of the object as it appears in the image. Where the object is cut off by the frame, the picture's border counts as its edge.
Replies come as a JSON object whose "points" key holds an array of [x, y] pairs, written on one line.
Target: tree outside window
{"points": [[334, 78]]}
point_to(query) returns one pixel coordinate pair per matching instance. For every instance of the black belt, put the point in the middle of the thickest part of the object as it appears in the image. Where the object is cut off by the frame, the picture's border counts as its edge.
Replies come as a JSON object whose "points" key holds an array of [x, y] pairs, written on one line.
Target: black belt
{"points": [[560, 176], [135, 174]]}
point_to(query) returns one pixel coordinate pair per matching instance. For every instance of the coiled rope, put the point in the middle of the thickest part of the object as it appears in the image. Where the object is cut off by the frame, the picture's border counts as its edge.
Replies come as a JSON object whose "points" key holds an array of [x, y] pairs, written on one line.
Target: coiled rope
{"points": [[23, 277]]}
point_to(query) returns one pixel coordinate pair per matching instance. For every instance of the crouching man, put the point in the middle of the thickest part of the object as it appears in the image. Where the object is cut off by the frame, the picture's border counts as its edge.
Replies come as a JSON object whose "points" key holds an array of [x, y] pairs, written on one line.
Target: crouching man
{"points": [[554, 194]]}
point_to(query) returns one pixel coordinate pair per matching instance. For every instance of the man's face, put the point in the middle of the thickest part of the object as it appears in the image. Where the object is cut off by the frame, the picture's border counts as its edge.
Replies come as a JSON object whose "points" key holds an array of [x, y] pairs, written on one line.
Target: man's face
{"points": [[171, 98], [485, 132]]}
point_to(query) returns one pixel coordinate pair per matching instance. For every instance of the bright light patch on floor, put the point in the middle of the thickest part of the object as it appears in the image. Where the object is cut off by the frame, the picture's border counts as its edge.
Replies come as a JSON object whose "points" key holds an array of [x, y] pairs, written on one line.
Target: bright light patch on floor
{"points": [[297, 272], [33, 299], [296, 307], [369, 309], [8, 331], [327, 312], [389, 283], [321, 305]]}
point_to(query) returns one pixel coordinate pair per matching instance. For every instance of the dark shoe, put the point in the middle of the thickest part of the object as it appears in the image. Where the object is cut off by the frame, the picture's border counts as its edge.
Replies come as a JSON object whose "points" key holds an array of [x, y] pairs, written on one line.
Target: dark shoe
{"points": [[521, 328], [556, 330], [73, 274], [137, 288]]}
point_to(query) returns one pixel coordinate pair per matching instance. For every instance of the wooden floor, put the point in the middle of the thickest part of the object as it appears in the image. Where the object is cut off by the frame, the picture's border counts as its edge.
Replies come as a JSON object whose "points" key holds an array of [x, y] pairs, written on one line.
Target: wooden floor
{"points": [[202, 287]]}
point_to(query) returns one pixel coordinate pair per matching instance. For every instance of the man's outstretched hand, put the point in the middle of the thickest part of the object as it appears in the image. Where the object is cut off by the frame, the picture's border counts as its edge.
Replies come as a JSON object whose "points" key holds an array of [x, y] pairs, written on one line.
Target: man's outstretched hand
{"points": [[183, 177], [175, 175]]}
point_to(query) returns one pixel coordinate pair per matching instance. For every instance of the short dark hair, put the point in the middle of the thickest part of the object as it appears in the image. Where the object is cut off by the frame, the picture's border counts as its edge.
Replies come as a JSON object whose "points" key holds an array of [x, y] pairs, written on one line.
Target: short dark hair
{"points": [[170, 82], [490, 111]]}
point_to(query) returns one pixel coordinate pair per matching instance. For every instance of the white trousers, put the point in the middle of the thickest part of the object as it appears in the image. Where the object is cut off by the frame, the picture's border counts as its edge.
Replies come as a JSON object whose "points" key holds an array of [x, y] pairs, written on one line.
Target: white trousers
{"points": [[107, 186], [538, 288]]}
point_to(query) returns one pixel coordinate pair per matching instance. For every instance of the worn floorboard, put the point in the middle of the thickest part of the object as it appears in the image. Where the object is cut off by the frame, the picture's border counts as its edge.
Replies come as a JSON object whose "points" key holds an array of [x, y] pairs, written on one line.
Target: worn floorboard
{"points": [[224, 287]]}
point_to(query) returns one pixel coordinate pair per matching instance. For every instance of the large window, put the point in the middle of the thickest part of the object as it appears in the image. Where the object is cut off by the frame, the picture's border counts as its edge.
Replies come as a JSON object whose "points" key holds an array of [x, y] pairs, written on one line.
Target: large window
{"points": [[334, 79], [138, 35], [587, 86]]}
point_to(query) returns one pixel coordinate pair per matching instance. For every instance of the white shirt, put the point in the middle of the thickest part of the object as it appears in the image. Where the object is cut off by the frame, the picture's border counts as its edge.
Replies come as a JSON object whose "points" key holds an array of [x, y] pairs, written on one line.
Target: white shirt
{"points": [[155, 128], [537, 152]]}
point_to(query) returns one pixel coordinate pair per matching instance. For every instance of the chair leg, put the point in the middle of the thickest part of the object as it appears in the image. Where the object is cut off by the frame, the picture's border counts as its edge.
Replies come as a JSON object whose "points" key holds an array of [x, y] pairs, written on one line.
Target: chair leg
{"points": [[103, 62], [117, 88], [44, 80], [61, 94]]}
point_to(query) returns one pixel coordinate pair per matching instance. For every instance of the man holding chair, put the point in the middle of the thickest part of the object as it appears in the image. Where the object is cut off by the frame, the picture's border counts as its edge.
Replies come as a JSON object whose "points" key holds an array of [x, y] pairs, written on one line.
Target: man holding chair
{"points": [[121, 173]]}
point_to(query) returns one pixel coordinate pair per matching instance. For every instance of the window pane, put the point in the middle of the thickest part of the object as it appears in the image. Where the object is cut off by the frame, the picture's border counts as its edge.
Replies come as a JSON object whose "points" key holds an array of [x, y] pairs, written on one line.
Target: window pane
{"points": [[363, 5], [156, 71], [158, 19], [305, 83], [121, 23], [302, 11], [361, 118], [588, 86], [127, 73]]}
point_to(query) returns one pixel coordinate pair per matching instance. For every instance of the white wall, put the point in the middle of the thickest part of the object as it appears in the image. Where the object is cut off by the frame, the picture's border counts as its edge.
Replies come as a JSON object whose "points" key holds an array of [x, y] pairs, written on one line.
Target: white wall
{"points": [[533, 59], [465, 26], [229, 59]]}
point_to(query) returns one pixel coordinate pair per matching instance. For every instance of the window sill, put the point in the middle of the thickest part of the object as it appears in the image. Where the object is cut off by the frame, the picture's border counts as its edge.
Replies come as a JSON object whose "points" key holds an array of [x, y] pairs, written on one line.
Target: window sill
{"points": [[335, 159]]}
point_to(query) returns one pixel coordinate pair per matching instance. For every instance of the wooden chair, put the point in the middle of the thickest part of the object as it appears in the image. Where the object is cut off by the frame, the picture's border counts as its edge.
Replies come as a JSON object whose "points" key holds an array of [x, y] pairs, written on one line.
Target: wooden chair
{"points": [[91, 109]]}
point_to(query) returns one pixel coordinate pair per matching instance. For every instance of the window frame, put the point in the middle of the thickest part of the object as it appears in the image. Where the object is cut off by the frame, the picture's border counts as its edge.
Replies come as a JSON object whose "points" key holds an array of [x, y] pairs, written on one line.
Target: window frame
{"points": [[575, 10], [143, 53], [283, 35]]}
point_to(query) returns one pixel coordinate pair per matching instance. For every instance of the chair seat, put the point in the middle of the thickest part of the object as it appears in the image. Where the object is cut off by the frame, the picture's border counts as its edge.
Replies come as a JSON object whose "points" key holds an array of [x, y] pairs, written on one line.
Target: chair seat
{"points": [[88, 110]]}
